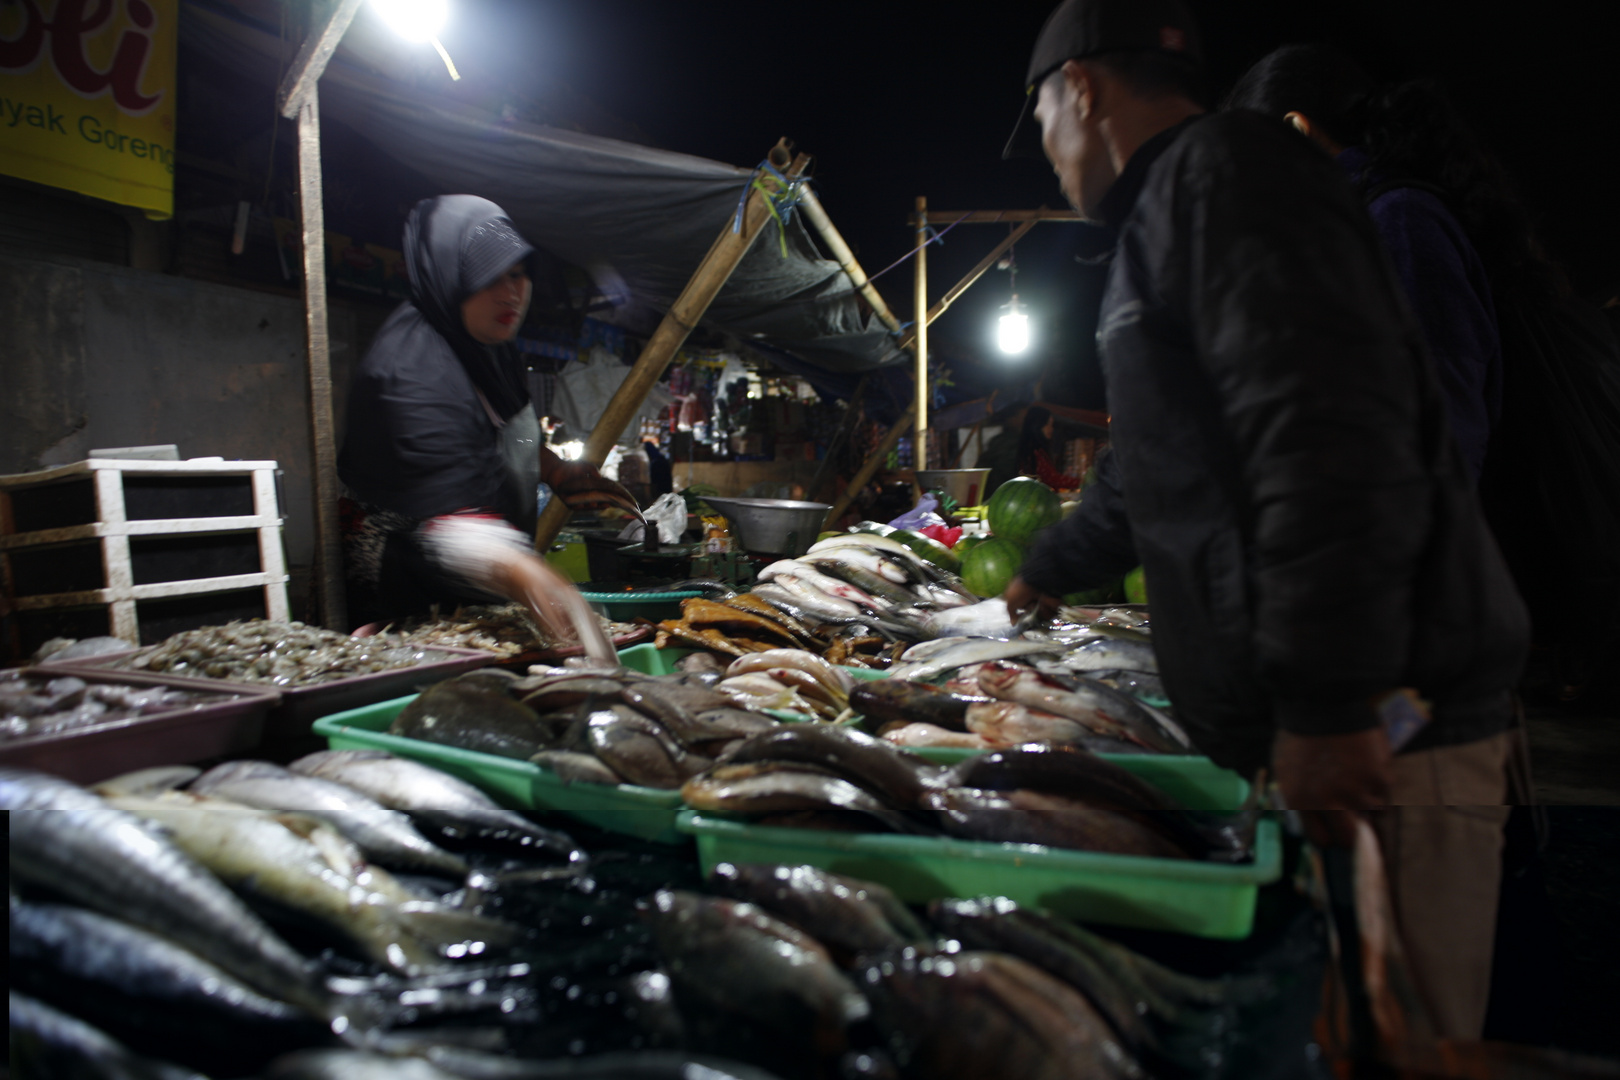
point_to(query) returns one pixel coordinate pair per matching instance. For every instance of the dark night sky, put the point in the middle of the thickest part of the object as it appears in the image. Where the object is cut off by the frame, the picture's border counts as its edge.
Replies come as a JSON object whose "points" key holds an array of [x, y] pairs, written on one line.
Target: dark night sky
{"points": [[897, 99]]}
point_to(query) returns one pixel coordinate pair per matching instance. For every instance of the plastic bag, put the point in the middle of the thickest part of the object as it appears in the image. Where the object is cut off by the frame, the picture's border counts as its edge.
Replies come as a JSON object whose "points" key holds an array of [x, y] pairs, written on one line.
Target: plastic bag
{"points": [[926, 512], [668, 512]]}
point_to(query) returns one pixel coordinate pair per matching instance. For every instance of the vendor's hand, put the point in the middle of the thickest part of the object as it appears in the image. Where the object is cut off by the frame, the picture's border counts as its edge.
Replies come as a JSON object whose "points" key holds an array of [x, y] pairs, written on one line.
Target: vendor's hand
{"points": [[532, 582], [1021, 596], [1331, 779]]}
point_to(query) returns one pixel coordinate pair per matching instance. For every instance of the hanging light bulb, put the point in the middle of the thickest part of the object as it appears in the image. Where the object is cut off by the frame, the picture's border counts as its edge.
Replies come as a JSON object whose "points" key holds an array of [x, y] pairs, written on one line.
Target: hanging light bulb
{"points": [[418, 20], [1013, 333]]}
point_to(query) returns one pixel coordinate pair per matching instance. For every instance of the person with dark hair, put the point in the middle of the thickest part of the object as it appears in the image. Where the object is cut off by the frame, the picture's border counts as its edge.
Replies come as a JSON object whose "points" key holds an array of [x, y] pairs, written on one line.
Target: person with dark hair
{"points": [[1281, 467], [442, 451], [1404, 179]]}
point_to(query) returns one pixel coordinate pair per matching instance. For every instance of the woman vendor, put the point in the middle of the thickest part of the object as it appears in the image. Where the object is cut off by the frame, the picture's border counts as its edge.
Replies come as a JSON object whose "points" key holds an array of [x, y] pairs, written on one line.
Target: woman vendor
{"points": [[442, 453]]}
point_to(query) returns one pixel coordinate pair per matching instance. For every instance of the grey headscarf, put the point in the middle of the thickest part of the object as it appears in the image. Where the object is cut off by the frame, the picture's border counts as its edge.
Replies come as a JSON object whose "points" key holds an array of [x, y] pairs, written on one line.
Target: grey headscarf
{"points": [[457, 245]]}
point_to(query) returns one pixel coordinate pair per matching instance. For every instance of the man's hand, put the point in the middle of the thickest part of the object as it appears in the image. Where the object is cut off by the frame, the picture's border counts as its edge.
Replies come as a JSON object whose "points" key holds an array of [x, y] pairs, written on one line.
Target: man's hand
{"points": [[1330, 779], [1021, 596]]}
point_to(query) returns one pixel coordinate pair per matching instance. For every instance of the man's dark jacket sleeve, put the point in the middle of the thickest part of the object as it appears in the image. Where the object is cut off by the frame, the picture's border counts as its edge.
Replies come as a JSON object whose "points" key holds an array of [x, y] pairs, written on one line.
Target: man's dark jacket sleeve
{"points": [[1089, 547]]}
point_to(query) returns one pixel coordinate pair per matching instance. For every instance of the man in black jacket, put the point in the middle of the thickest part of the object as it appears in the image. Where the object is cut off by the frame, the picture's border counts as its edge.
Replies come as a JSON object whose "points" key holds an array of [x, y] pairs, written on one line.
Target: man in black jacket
{"points": [[1282, 469]]}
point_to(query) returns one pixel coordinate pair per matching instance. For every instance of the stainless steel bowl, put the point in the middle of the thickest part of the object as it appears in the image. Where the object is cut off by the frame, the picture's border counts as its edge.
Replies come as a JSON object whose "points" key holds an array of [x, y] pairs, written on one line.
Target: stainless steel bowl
{"points": [[966, 486], [772, 526]]}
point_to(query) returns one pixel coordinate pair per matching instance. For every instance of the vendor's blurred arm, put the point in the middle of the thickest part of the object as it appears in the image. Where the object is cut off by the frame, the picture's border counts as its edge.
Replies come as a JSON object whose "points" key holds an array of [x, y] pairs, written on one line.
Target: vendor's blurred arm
{"points": [[484, 551], [1088, 548]]}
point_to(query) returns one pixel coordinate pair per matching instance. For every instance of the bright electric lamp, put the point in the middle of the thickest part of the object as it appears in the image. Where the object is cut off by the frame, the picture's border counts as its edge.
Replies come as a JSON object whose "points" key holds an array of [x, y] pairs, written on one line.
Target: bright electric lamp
{"points": [[414, 20], [1013, 333], [418, 20]]}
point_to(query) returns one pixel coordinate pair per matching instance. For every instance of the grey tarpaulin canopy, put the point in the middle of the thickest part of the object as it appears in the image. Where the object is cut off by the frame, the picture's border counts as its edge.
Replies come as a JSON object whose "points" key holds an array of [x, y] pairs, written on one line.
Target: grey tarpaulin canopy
{"points": [[638, 220]]}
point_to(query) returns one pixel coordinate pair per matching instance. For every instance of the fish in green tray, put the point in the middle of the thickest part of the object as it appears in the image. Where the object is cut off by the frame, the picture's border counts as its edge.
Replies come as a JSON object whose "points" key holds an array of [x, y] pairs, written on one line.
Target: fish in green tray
{"points": [[1038, 817], [474, 714], [782, 787], [551, 693], [573, 767], [836, 680], [149, 991], [735, 958], [1006, 723], [300, 866], [899, 701], [432, 795], [1111, 652], [964, 651], [1161, 1014], [386, 836], [66, 840], [990, 1016], [898, 776], [640, 749], [850, 917], [1100, 708], [47, 1043]]}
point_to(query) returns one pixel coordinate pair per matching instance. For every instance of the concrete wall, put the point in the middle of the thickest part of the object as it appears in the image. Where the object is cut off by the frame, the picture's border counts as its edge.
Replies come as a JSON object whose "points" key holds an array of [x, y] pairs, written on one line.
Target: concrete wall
{"points": [[93, 355]]}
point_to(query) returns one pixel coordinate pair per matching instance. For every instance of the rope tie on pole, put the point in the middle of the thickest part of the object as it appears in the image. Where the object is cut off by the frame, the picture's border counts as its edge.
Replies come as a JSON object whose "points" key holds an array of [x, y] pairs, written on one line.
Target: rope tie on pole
{"points": [[780, 202]]}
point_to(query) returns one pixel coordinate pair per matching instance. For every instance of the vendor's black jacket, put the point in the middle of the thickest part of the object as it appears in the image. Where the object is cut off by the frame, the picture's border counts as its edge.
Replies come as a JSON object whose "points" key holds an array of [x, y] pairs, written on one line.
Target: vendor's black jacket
{"points": [[1281, 464]]}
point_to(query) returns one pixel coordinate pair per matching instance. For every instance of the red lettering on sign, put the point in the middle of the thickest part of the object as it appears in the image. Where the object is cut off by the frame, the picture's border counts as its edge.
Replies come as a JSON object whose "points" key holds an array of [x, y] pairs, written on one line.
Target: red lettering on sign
{"points": [[73, 21]]}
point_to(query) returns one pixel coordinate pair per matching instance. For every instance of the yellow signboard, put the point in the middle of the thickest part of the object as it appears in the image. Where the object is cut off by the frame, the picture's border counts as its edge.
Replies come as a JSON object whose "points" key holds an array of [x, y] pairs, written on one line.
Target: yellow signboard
{"points": [[87, 97]]}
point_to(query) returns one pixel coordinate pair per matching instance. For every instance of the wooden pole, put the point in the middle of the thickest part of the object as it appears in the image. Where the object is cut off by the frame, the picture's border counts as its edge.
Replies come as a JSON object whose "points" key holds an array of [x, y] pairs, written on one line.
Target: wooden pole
{"points": [[868, 470], [974, 275], [297, 97], [919, 453], [687, 311], [845, 257]]}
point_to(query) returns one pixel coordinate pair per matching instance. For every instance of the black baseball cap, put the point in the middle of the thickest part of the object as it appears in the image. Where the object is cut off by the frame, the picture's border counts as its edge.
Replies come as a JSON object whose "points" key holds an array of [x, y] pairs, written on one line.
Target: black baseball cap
{"points": [[1081, 28]]}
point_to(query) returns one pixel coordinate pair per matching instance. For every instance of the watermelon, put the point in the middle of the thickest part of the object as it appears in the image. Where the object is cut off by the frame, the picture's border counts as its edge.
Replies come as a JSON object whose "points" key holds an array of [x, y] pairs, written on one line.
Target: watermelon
{"points": [[929, 548], [1136, 587], [991, 565], [1022, 507]]}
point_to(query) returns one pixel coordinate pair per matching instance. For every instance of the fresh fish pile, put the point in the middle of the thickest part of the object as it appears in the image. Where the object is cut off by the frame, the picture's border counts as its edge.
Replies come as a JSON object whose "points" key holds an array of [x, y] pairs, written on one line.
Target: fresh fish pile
{"points": [[856, 600], [793, 680], [32, 703], [507, 630], [281, 654], [828, 777], [587, 724], [831, 967]]}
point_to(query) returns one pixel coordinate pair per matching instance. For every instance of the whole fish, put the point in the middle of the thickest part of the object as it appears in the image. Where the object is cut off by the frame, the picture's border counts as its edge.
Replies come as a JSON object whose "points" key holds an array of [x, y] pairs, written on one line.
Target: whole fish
{"points": [[1101, 708], [65, 839], [385, 835], [834, 678], [1159, 1027], [850, 917], [432, 795], [832, 586], [875, 584], [573, 767], [897, 700], [918, 735], [1035, 817], [284, 859], [987, 619], [969, 651], [990, 1016], [147, 990], [880, 767], [894, 550], [48, 1043], [474, 714], [868, 559], [1109, 653], [776, 787], [1005, 724], [148, 781], [735, 958], [815, 598]]}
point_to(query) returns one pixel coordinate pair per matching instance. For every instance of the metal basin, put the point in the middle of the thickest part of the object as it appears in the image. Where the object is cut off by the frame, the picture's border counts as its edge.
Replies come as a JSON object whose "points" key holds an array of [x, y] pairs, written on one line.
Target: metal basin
{"points": [[966, 486], [772, 526]]}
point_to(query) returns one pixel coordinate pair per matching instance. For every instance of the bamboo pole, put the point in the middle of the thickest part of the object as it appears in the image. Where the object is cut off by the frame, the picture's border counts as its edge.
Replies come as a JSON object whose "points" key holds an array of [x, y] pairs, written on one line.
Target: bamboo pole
{"points": [[975, 274], [919, 453], [868, 470], [687, 311], [845, 257]]}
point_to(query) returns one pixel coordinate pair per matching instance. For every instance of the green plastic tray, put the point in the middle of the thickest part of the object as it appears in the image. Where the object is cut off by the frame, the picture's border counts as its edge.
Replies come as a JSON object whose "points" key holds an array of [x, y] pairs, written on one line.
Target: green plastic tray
{"points": [[1206, 899], [647, 813]]}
